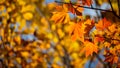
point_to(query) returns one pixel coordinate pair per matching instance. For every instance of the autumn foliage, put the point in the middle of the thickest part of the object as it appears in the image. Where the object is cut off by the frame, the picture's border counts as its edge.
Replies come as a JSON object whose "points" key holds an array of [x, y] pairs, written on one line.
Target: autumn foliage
{"points": [[104, 36], [36, 34]]}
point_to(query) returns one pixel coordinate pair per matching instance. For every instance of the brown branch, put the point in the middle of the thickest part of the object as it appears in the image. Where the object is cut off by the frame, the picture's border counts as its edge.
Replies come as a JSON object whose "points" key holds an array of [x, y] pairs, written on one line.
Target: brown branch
{"points": [[85, 7], [95, 8]]}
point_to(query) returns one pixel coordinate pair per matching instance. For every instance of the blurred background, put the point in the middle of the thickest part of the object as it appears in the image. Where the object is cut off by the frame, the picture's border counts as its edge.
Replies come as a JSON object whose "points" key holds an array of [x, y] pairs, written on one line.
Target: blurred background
{"points": [[29, 39]]}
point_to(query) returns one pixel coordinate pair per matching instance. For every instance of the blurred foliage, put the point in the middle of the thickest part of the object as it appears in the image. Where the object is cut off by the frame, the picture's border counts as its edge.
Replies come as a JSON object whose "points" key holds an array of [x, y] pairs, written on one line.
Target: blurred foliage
{"points": [[28, 37]]}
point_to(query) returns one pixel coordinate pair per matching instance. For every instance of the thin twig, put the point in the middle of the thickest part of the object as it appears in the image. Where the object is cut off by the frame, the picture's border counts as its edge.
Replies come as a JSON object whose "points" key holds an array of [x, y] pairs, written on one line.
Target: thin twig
{"points": [[91, 60], [85, 6], [95, 8]]}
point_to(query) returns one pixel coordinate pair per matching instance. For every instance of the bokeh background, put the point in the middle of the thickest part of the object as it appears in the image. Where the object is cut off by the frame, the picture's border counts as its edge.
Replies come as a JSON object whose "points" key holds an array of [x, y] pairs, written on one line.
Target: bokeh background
{"points": [[29, 39]]}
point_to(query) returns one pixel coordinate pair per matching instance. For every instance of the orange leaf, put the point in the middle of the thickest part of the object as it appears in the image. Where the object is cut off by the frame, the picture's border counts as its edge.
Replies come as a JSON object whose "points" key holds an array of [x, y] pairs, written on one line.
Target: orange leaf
{"points": [[78, 10], [115, 60], [77, 31], [89, 25], [112, 28], [71, 8], [87, 2], [111, 58], [90, 48], [61, 15], [75, 9], [103, 24]]}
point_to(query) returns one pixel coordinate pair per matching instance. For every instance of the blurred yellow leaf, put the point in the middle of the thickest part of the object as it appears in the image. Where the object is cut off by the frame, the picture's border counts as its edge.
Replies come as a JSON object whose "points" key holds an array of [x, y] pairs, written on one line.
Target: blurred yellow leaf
{"points": [[67, 1], [2, 7], [28, 8], [2, 1], [74, 56], [18, 59], [17, 39], [21, 2], [28, 16], [34, 64], [25, 54]]}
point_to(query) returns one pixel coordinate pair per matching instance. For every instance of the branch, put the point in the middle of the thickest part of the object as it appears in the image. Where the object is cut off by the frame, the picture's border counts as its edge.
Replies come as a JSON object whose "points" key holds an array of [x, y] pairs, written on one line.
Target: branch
{"points": [[66, 58], [84, 6], [94, 8], [89, 66]]}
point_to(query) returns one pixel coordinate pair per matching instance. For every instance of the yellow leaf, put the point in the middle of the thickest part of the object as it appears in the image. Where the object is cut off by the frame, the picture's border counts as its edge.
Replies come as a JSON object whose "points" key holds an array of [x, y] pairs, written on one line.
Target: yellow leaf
{"points": [[25, 54], [67, 1], [56, 59], [34, 64], [2, 7], [17, 39], [28, 16], [74, 56], [60, 33], [35, 57], [21, 2], [55, 39], [9, 9], [51, 6], [18, 59], [2, 1], [28, 8], [53, 27]]}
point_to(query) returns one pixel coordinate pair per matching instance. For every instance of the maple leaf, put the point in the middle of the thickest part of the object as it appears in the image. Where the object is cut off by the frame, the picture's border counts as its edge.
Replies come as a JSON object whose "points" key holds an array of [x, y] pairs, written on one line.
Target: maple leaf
{"points": [[78, 10], [90, 48], [77, 31], [112, 59], [98, 39], [111, 56], [112, 28], [89, 25], [61, 15], [103, 24], [71, 8], [75, 9]]}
